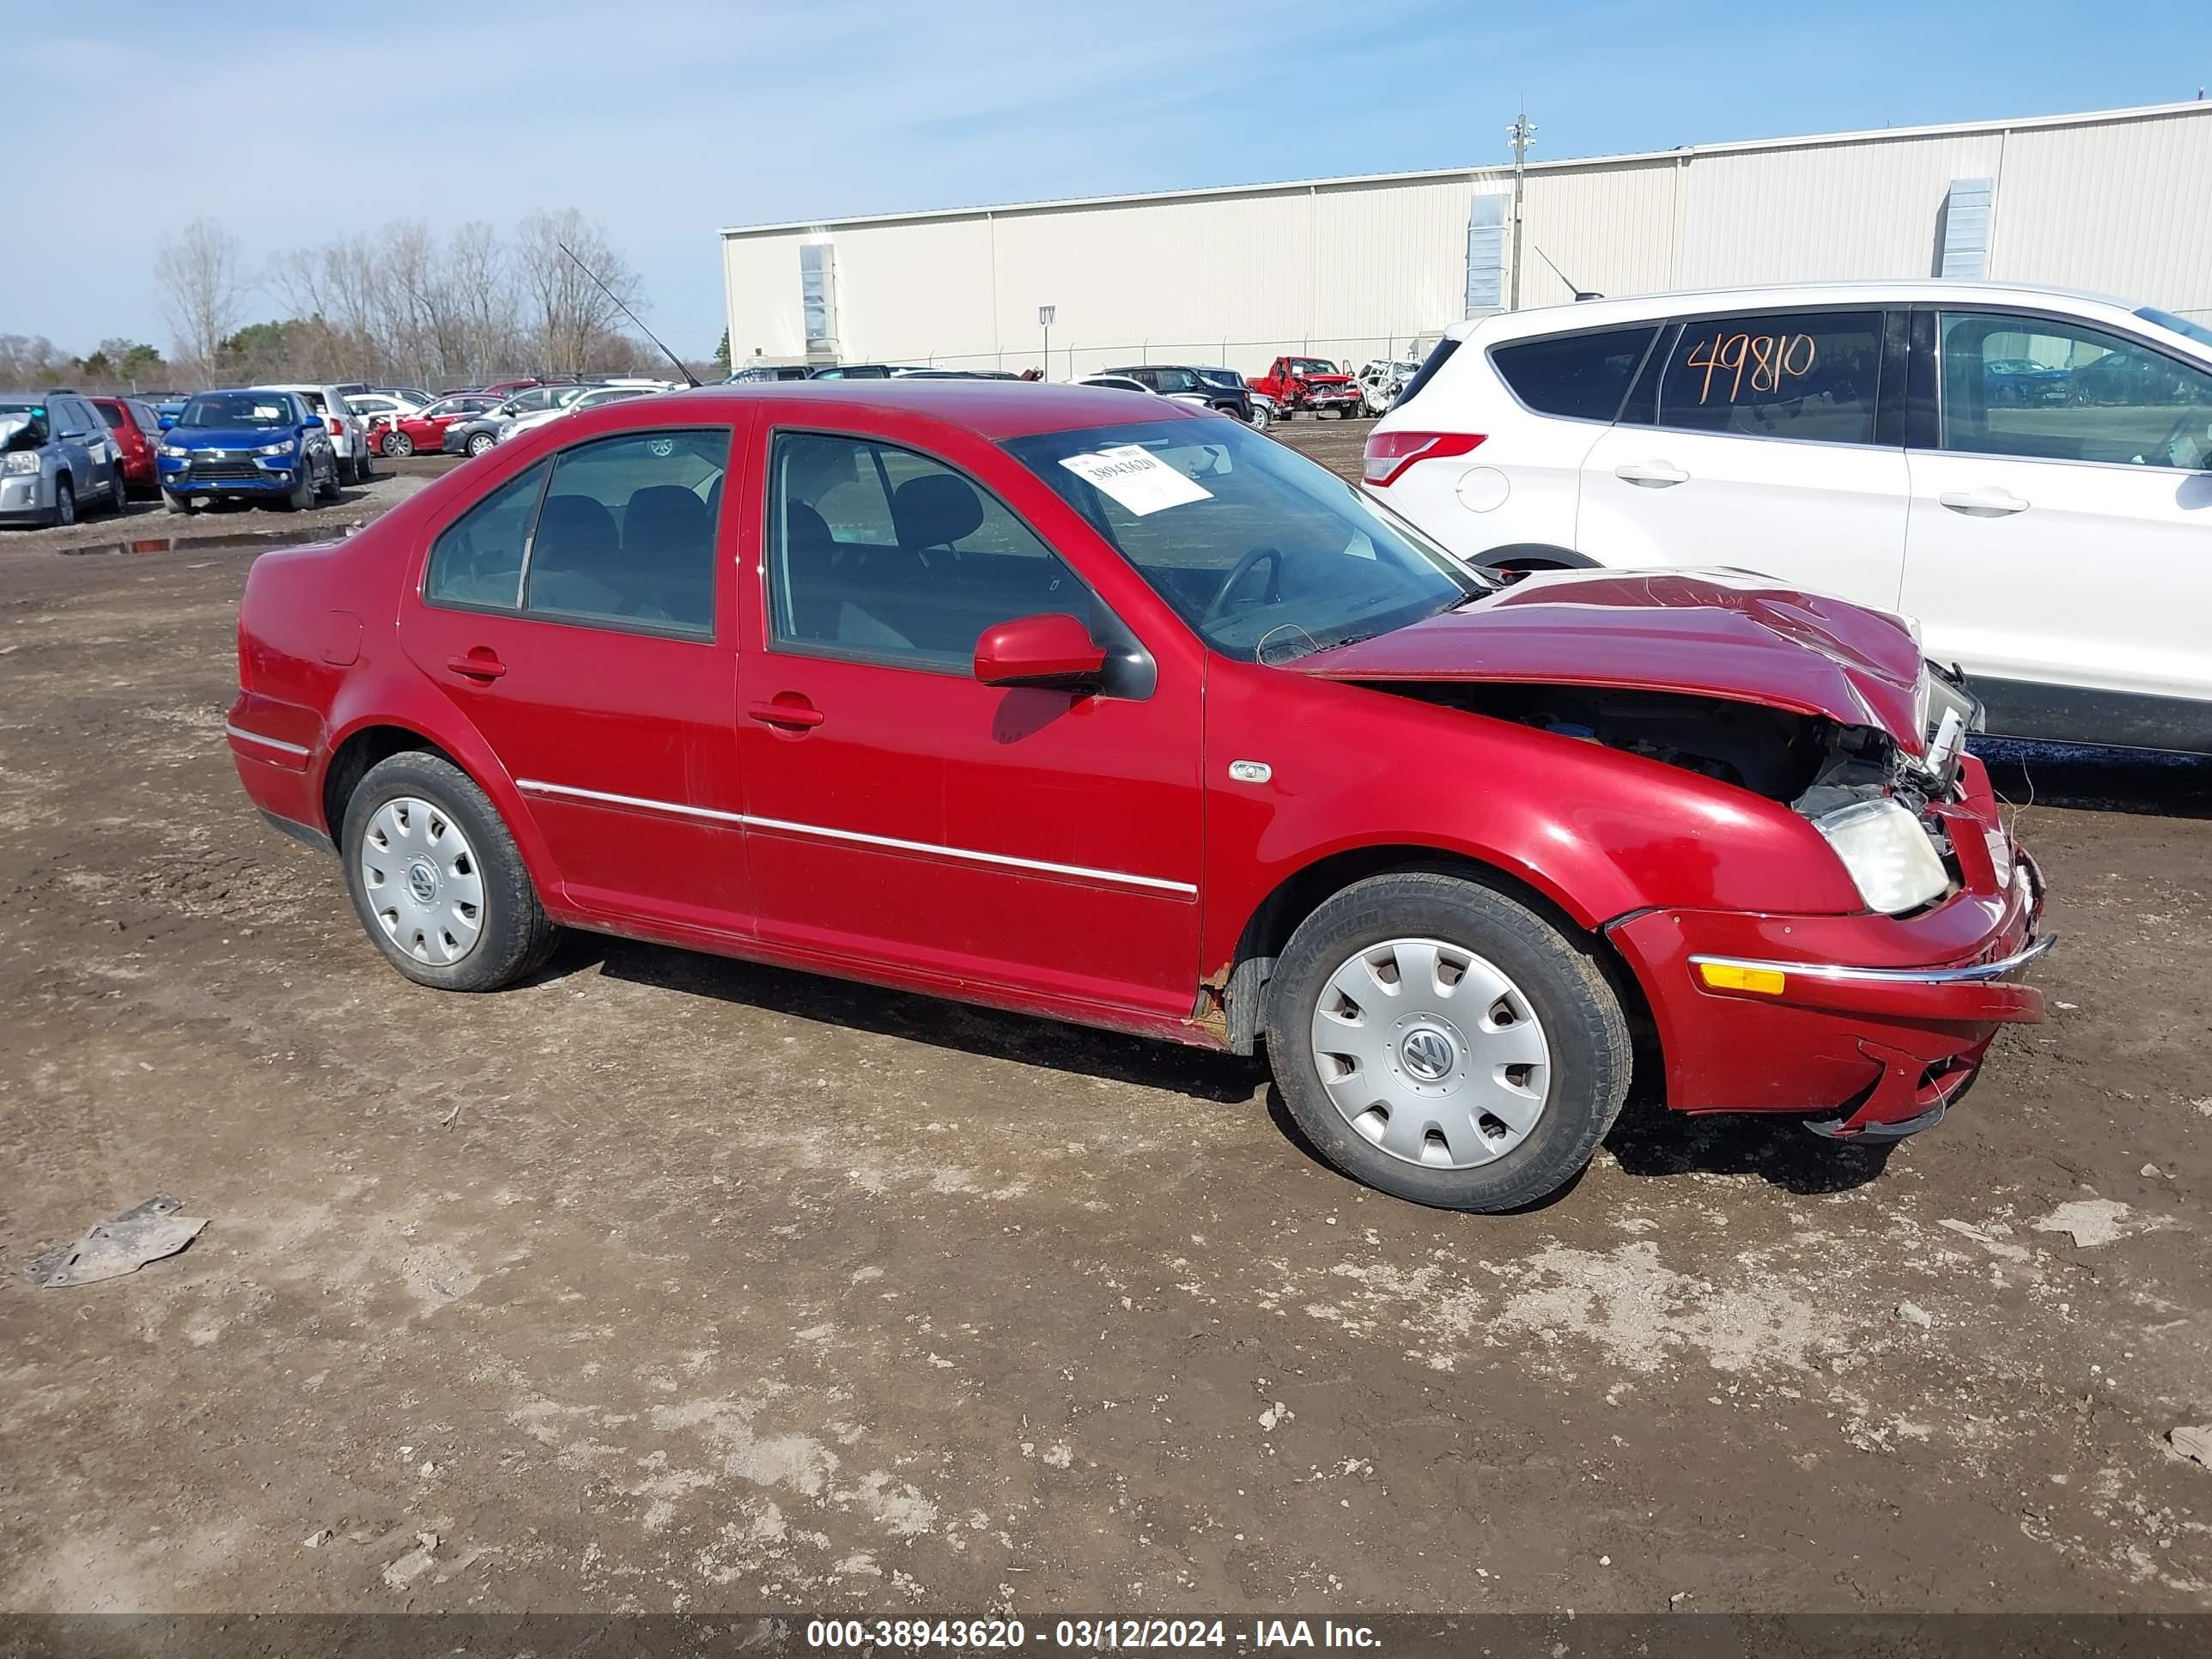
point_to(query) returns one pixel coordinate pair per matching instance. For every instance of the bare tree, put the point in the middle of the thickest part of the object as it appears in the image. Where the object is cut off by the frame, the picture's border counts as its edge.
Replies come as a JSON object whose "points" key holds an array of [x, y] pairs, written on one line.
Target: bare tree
{"points": [[482, 276], [574, 324], [203, 291]]}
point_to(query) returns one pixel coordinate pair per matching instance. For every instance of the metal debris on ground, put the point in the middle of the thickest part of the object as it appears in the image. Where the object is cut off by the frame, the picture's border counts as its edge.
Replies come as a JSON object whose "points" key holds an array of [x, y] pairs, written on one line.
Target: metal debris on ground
{"points": [[122, 1245]]}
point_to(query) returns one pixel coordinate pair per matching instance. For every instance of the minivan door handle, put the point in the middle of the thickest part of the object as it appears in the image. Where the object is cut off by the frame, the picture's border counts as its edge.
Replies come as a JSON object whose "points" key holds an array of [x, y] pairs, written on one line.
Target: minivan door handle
{"points": [[1992, 503], [1652, 475]]}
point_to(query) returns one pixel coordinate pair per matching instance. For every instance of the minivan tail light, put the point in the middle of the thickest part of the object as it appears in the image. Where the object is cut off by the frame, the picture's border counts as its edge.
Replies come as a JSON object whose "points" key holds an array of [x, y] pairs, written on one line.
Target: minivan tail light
{"points": [[1389, 453]]}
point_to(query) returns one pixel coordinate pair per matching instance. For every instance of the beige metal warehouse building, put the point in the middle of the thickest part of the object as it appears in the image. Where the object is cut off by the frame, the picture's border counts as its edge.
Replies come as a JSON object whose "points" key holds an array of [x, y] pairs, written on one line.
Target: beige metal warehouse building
{"points": [[1362, 267]]}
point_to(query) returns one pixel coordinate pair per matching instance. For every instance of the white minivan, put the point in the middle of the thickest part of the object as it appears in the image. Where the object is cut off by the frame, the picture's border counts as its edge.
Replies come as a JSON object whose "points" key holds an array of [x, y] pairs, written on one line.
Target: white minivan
{"points": [[2028, 471]]}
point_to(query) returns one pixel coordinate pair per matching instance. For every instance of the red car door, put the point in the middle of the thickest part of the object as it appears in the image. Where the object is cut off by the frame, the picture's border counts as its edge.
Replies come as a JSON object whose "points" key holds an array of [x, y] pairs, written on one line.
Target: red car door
{"points": [[572, 616], [900, 813]]}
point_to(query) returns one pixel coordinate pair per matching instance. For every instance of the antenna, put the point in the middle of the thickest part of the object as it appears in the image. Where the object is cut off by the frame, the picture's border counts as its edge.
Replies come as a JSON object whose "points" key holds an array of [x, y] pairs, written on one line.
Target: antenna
{"points": [[1579, 293], [689, 376]]}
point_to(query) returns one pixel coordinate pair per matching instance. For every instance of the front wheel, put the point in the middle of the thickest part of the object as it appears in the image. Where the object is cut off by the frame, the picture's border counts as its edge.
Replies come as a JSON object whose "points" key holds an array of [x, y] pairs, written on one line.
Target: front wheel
{"points": [[479, 443], [303, 492], [64, 502], [398, 446], [436, 878], [1443, 1043], [175, 503]]}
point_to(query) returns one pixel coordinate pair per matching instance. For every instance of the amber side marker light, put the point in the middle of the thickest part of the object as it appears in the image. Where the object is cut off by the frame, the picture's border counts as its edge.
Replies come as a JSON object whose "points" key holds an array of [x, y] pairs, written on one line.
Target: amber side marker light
{"points": [[1728, 976]]}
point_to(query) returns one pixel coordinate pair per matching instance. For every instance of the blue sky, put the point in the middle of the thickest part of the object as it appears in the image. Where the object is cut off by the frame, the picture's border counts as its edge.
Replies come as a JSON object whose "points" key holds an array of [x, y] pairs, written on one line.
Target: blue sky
{"points": [[667, 118]]}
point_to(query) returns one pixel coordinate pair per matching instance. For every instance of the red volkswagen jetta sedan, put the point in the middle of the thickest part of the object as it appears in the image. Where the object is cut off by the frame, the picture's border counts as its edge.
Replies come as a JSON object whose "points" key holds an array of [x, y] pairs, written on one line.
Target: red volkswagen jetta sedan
{"points": [[1072, 701]]}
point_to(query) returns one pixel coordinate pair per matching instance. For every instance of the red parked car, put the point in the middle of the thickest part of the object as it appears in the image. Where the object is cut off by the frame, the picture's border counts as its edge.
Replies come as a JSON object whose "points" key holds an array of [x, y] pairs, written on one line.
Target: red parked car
{"points": [[1313, 383], [1071, 702], [425, 429], [138, 432]]}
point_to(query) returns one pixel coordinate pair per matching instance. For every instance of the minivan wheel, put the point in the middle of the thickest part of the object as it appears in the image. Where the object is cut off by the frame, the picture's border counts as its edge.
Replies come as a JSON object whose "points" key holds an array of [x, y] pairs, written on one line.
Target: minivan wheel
{"points": [[436, 879], [1443, 1043]]}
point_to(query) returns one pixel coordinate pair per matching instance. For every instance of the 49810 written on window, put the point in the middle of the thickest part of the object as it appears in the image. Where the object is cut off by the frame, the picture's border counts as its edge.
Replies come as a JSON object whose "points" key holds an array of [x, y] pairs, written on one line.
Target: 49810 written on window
{"points": [[1811, 376]]}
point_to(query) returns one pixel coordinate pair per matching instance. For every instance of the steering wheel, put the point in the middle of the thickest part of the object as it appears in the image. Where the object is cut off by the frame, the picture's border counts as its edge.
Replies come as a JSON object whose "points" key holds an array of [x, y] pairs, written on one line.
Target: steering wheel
{"points": [[1245, 566]]}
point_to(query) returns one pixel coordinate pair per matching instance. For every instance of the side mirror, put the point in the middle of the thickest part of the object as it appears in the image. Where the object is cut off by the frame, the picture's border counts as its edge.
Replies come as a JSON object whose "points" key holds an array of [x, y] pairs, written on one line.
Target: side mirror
{"points": [[1053, 651]]}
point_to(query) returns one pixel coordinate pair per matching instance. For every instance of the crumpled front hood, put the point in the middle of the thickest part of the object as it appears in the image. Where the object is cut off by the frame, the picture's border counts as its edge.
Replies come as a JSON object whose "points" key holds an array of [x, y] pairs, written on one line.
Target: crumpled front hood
{"points": [[1710, 633]]}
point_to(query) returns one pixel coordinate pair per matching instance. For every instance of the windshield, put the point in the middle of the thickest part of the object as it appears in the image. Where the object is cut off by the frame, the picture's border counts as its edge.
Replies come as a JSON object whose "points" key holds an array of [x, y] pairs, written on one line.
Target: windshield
{"points": [[1312, 366], [1267, 555], [2180, 325], [232, 408]]}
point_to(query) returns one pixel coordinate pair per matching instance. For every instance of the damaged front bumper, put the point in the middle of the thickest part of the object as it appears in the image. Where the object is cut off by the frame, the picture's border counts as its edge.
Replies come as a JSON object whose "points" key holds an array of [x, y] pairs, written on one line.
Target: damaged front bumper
{"points": [[1867, 1025]]}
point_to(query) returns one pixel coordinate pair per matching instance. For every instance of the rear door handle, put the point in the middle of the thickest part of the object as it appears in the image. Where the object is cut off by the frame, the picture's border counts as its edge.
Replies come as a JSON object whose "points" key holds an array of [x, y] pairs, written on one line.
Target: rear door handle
{"points": [[1996, 503], [1652, 475], [474, 667], [800, 714]]}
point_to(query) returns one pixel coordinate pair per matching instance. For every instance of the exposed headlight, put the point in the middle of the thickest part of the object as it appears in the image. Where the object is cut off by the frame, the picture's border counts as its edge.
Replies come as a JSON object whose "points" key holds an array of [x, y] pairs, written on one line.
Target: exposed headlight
{"points": [[1891, 859], [20, 460], [284, 448]]}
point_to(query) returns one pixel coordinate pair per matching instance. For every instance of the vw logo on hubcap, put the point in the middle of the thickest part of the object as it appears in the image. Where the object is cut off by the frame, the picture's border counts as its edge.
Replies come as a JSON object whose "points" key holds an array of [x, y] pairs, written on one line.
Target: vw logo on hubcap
{"points": [[1426, 1053], [422, 881]]}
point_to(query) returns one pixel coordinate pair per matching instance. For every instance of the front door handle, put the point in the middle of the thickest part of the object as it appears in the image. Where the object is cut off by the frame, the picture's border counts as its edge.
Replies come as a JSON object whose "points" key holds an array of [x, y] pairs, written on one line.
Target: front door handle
{"points": [[1992, 503], [479, 665], [797, 713], [1652, 475]]}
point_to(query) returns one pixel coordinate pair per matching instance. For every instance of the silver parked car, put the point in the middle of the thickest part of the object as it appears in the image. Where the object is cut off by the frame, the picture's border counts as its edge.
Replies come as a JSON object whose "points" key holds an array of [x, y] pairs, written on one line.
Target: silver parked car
{"points": [[56, 451]]}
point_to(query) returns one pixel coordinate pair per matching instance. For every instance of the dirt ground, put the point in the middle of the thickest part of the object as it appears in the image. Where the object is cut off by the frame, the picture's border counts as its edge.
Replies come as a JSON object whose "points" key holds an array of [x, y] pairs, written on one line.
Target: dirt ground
{"points": [[667, 1283]]}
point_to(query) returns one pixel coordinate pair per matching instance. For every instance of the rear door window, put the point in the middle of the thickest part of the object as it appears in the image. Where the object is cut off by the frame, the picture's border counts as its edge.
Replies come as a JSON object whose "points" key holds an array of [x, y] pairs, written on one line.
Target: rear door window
{"points": [[626, 535], [114, 414], [1582, 376], [1812, 376], [477, 563]]}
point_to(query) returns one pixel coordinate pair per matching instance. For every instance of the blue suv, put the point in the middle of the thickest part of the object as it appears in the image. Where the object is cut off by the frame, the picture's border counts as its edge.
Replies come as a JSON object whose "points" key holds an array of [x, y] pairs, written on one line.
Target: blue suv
{"points": [[246, 446]]}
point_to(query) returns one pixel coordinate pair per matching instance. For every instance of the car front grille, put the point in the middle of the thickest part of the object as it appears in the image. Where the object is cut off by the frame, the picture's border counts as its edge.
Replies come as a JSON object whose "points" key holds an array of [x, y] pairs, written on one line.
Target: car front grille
{"points": [[204, 470]]}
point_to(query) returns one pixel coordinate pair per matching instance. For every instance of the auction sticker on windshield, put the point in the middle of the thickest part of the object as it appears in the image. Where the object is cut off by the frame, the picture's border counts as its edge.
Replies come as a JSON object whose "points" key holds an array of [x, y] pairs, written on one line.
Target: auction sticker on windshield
{"points": [[1136, 477]]}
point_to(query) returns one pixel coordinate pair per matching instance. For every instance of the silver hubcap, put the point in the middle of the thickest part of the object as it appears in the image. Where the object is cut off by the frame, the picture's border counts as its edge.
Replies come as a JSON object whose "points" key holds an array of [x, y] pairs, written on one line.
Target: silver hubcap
{"points": [[1431, 1053], [423, 884]]}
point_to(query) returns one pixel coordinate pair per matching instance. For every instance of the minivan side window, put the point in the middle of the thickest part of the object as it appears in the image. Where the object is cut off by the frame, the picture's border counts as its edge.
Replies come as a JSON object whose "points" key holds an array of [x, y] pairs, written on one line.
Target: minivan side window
{"points": [[1583, 377], [2048, 388], [1809, 375], [477, 563]]}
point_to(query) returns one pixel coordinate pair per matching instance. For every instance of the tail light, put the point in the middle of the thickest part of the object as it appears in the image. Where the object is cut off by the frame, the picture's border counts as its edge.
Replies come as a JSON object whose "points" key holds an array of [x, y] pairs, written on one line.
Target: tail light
{"points": [[337, 427], [1389, 453]]}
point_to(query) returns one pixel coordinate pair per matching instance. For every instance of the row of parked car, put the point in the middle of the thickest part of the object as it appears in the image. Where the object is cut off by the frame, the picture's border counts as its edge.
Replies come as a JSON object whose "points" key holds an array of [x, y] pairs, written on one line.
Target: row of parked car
{"points": [[1292, 385]]}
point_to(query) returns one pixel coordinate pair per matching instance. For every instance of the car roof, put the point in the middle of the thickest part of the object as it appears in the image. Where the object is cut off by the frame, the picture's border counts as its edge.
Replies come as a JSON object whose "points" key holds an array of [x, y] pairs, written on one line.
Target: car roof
{"points": [[1643, 308], [994, 409]]}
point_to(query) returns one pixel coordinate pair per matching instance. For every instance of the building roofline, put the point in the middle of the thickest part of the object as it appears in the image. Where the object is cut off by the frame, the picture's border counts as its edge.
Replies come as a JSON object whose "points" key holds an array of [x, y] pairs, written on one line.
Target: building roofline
{"points": [[1568, 164]]}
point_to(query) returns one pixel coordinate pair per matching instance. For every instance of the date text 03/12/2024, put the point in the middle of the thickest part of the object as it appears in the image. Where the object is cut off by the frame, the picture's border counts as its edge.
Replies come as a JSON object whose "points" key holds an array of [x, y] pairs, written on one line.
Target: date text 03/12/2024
{"points": [[1082, 1635]]}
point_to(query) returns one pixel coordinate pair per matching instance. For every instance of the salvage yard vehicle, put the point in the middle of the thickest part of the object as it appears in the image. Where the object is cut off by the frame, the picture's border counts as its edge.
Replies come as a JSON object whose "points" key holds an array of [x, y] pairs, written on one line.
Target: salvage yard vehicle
{"points": [[348, 434], [426, 430], [1313, 383], [1173, 381], [1113, 382], [2028, 471], [137, 430], [259, 446], [56, 454], [1095, 706], [1381, 380]]}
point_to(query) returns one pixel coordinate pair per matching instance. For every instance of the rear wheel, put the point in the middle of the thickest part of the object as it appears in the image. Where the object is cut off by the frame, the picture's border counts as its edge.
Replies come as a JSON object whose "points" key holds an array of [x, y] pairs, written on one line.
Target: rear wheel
{"points": [[364, 469], [436, 878], [1443, 1043]]}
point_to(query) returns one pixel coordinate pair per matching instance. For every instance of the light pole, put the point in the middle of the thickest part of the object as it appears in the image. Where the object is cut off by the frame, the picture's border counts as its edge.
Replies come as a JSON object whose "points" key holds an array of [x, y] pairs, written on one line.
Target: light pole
{"points": [[1045, 314], [1520, 132]]}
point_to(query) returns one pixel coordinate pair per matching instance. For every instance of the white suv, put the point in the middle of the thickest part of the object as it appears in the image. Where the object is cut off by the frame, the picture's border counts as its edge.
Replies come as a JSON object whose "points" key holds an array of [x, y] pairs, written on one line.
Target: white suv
{"points": [[2023, 470]]}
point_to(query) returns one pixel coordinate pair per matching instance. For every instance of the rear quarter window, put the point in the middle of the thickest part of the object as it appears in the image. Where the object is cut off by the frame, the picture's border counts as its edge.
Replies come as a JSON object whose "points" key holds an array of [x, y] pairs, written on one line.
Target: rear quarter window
{"points": [[1439, 355], [1582, 376]]}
